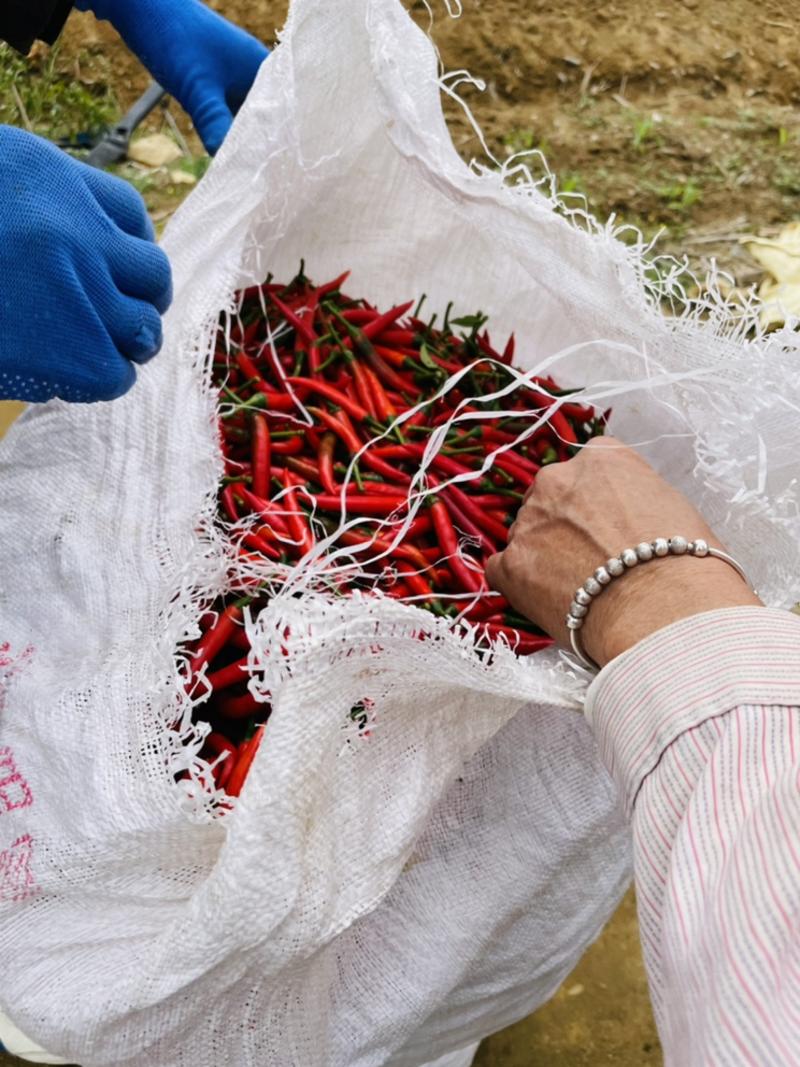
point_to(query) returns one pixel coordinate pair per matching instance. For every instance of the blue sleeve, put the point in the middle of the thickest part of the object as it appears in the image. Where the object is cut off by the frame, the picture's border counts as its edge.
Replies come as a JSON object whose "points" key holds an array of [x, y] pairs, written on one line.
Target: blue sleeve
{"points": [[24, 21]]}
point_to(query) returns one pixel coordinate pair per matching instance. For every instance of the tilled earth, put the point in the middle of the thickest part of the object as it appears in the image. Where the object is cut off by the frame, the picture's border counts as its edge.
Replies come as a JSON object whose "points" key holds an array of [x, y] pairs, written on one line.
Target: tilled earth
{"points": [[679, 115]]}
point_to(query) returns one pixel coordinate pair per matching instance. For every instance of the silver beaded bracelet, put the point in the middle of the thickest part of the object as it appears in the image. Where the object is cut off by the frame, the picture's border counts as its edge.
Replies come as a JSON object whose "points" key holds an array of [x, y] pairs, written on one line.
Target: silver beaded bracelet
{"points": [[618, 565]]}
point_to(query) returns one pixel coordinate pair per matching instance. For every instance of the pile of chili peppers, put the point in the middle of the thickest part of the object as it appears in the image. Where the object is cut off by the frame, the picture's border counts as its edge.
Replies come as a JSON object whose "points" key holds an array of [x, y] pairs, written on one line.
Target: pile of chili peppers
{"points": [[308, 377]]}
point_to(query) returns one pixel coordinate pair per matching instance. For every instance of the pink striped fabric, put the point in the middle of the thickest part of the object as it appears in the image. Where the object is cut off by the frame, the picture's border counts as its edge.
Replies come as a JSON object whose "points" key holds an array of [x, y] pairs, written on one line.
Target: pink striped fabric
{"points": [[700, 726]]}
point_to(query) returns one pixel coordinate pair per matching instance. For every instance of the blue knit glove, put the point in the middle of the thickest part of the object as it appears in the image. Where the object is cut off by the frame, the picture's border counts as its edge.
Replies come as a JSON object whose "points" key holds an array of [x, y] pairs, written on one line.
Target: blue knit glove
{"points": [[82, 284], [200, 58]]}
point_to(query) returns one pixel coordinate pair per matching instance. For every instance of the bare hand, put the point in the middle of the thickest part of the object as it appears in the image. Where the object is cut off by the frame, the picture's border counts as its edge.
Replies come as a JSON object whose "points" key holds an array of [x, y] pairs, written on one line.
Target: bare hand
{"points": [[580, 513]]}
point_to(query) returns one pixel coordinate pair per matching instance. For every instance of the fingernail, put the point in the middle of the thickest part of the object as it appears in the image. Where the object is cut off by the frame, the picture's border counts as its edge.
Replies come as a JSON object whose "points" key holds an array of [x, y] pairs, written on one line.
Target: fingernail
{"points": [[149, 340]]}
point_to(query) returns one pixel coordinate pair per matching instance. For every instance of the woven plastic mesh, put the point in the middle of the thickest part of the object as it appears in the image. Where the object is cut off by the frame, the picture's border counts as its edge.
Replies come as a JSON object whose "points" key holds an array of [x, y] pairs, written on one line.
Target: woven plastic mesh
{"points": [[370, 901]]}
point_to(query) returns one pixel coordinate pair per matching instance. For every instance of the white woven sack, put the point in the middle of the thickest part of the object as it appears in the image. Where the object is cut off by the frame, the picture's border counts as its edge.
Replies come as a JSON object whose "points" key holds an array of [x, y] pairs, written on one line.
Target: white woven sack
{"points": [[369, 902]]}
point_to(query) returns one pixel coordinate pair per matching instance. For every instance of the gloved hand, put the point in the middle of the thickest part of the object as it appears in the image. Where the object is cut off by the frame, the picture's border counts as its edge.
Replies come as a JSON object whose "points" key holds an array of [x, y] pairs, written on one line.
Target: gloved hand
{"points": [[200, 58], [82, 284]]}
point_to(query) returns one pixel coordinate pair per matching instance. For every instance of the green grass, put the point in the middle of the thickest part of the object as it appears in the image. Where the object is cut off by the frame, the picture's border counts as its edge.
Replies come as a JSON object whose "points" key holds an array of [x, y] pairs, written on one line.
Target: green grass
{"points": [[680, 195], [786, 179], [644, 132], [525, 141], [42, 96], [68, 99]]}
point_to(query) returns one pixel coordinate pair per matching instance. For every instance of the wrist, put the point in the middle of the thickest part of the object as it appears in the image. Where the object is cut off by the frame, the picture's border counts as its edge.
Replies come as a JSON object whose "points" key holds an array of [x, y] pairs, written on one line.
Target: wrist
{"points": [[657, 594]]}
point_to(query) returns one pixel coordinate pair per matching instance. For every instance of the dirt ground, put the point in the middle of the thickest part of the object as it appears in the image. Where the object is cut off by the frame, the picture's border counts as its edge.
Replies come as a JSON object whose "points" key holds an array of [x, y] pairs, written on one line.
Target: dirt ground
{"points": [[674, 114], [679, 115]]}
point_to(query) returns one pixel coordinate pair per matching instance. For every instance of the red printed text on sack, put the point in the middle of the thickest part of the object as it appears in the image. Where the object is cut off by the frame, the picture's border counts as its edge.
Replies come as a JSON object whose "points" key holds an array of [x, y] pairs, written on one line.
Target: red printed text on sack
{"points": [[16, 877], [14, 790]]}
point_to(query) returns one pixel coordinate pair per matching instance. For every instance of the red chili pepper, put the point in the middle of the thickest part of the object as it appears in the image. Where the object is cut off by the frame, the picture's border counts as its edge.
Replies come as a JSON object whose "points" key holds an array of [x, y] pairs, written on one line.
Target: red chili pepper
{"points": [[558, 421], [579, 412], [228, 676], [331, 287], [275, 401], [315, 385], [494, 500], [485, 346], [465, 523], [489, 433], [229, 503], [419, 418], [416, 582], [524, 470], [448, 465], [239, 707], [377, 326], [486, 607], [508, 352], [445, 463], [240, 638], [261, 455], [373, 488], [410, 356], [397, 359], [385, 373], [303, 328], [244, 761], [295, 518], [432, 555], [347, 385], [359, 316], [312, 437], [395, 451], [258, 544], [419, 526], [223, 771], [215, 639], [218, 744], [362, 386], [312, 303], [325, 462], [398, 591], [361, 504], [254, 291], [289, 446], [450, 367], [266, 509], [448, 542], [249, 334], [523, 644], [377, 465], [249, 369], [384, 408], [234, 468], [398, 338], [480, 517], [338, 426], [404, 550], [520, 468], [306, 467], [317, 354]]}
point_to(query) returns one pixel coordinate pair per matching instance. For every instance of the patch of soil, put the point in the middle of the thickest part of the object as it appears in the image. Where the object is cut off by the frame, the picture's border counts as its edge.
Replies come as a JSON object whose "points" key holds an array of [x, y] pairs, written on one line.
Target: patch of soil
{"points": [[682, 115]]}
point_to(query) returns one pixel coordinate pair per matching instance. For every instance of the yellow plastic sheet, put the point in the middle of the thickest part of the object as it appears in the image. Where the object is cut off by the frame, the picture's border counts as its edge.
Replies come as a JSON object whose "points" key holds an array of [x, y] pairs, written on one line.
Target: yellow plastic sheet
{"points": [[9, 410], [780, 257]]}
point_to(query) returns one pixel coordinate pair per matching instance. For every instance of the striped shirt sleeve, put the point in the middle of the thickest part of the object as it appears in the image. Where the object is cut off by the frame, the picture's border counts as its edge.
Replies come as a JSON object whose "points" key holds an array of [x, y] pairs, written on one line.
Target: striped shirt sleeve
{"points": [[700, 726]]}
